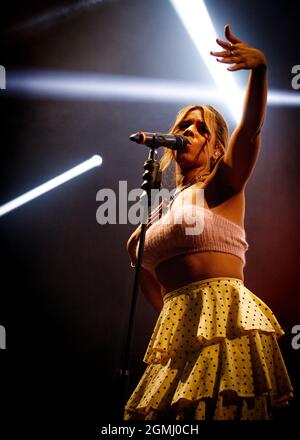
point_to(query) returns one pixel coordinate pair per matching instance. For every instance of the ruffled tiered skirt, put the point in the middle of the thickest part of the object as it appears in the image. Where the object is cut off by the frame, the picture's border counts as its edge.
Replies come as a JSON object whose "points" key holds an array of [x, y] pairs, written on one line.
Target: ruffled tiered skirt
{"points": [[214, 355]]}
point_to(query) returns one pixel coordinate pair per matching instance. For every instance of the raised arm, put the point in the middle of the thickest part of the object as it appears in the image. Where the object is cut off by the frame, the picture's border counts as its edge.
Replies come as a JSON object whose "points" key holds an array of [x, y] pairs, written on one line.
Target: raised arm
{"points": [[243, 147]]}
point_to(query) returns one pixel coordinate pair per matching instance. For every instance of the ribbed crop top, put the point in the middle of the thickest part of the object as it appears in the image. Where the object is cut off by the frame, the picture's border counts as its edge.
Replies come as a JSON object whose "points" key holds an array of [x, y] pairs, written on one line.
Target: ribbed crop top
{"points": [[189, 229]]}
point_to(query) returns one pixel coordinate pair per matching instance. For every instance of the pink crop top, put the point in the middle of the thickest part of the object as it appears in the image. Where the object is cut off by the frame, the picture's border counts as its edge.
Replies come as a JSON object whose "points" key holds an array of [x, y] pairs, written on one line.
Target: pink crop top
{"points": [[190, 229]]}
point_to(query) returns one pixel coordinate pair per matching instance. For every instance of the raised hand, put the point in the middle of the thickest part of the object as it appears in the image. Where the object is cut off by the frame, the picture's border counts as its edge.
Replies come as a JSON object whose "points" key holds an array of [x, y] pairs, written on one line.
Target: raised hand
{"points": [[238, 53]]}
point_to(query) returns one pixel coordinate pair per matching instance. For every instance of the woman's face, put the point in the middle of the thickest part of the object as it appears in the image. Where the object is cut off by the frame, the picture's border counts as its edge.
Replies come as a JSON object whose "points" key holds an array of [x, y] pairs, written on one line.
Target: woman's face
{"points": [[197, 152]]}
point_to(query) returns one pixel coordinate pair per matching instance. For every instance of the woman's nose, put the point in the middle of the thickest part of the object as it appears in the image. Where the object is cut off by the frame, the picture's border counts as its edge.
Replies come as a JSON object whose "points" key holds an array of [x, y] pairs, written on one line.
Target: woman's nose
{"points": [[189, 131]]}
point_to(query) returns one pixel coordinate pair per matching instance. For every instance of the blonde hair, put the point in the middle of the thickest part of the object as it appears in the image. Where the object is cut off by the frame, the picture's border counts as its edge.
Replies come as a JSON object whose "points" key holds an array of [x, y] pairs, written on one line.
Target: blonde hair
{"points": [[214, 122]]}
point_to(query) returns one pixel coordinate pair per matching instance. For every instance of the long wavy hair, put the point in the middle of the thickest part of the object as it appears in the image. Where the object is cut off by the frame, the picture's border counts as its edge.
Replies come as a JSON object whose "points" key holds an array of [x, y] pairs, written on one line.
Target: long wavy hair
{"points": [[214, 122]]}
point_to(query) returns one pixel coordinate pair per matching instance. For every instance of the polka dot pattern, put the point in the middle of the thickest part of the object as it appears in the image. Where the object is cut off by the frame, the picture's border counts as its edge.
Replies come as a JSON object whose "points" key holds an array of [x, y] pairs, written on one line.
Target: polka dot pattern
{"points": [[213, 354]]}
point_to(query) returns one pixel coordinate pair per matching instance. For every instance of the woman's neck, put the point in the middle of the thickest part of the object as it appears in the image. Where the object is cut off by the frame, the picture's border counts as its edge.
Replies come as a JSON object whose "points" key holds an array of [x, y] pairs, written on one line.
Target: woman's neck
{"points": [[193, 175]]}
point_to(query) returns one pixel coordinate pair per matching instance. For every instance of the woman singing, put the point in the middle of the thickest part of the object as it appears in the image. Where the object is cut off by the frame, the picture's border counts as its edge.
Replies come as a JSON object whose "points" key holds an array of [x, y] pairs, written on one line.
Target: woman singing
{"points": [[213, 353]]}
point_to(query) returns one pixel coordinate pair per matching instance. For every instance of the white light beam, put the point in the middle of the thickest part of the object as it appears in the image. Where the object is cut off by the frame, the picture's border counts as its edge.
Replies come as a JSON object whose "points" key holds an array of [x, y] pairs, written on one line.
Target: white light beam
{"points": [[196, 19], [96, 86], [93, 162]]}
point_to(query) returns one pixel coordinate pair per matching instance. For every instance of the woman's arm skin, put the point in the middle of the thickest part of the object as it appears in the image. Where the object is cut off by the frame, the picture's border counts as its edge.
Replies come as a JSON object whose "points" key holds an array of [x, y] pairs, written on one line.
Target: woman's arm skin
{"points": [[148, 283], [243, 147], [151, 289]]}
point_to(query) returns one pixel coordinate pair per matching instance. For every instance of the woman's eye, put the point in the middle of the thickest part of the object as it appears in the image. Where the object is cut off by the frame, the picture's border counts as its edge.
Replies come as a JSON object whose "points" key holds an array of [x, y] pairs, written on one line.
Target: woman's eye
{"points": [[202, 128], [183, 125]]}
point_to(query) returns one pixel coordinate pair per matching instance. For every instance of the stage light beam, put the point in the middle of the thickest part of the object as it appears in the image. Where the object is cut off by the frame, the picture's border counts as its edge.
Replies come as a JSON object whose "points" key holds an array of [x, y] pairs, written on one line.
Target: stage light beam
{"points": [[93, 162], [57, 84], [197, 21]]}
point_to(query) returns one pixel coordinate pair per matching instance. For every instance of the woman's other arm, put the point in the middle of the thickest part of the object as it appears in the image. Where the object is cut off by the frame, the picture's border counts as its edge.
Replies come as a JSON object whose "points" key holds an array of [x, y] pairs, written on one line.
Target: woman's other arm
{"points": [[150, 287]]}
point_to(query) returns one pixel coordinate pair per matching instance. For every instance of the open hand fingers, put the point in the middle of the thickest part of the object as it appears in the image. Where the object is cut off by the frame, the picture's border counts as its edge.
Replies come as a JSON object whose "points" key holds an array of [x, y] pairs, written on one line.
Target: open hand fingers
{"points": [[237, 66], [229, 57], [230, 60], [224, 53], [238, 53], [224, 44], [229, 35]]}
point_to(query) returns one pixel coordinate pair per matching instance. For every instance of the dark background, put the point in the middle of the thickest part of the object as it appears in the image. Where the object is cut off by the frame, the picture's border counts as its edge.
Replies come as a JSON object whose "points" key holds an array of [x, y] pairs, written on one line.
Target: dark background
{"points": [[66, 280]]}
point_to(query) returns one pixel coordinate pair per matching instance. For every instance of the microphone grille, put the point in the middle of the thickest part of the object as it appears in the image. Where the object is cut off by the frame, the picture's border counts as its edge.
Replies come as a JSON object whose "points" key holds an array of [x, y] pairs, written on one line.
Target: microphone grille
{"points": [[181, 142]]}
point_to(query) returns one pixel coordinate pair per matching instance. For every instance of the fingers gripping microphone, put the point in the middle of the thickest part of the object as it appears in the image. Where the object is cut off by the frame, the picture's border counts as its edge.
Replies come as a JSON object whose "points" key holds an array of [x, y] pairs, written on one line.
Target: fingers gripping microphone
{"points": [[173, 141]]}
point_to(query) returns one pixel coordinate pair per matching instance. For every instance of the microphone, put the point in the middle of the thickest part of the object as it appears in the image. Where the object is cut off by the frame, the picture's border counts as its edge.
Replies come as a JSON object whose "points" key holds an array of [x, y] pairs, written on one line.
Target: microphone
{"points": [[173, 141]]}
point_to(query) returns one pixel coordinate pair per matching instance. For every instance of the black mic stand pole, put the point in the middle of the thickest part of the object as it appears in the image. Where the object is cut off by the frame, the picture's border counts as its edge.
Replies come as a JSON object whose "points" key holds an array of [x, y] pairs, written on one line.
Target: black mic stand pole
{"points": [[152, 180]]}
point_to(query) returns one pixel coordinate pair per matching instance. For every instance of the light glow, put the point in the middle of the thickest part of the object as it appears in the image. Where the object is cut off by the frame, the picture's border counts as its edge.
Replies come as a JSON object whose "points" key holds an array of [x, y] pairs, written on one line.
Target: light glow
{"points": [[53, 16], [73, 85], [93, 162], [196, 19], [91, 86]]}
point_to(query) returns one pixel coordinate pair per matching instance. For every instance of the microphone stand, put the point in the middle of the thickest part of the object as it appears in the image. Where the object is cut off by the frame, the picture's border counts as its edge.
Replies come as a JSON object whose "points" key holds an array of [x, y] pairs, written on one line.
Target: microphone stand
{"points": [[152, 180]]}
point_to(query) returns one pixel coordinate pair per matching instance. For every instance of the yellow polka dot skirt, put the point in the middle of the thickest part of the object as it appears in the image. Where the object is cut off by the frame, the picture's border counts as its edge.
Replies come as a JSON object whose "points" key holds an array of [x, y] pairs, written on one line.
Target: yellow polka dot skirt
{"points": [[214, 355]]}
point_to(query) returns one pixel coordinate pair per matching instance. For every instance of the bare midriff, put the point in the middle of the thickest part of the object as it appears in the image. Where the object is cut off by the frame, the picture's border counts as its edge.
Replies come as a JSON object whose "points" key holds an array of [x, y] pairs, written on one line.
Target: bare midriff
{"points": [[197, 266]]}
